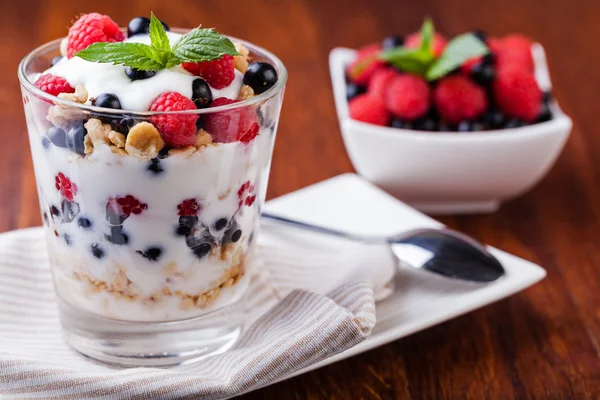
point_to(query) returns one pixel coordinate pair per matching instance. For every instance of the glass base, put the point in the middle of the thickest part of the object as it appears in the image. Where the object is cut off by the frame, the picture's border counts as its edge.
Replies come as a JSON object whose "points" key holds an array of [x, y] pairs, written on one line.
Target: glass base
{"points": [[150, 344]]}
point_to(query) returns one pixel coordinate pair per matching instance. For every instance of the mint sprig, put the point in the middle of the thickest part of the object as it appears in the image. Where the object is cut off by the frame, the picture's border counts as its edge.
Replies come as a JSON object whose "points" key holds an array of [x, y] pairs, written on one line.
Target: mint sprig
{"points": [[422, 61], [197, 45]]}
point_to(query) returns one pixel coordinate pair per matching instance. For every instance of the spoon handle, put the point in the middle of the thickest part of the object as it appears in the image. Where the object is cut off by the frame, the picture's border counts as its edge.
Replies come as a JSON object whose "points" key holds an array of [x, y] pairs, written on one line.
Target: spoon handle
{"points": [[321, 229]]}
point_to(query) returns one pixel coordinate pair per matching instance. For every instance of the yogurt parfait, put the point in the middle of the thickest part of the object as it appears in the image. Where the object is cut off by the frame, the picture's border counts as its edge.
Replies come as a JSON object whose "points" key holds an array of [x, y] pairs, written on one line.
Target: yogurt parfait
{"points": [[151, 150]]}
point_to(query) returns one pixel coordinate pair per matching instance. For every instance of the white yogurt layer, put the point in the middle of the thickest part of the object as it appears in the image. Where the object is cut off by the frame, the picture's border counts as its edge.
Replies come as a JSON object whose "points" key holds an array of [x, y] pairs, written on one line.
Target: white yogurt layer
{"points": [[136, 95]]}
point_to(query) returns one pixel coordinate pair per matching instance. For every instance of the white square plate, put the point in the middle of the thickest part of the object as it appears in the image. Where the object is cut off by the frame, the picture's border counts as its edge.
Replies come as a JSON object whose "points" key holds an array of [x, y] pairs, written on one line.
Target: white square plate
{"points": [[420, 300]]}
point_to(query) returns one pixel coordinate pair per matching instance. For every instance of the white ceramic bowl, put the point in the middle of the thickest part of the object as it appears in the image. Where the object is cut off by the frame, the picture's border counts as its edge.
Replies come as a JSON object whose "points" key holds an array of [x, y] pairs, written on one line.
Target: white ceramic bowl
{"points": [[450, 172]]}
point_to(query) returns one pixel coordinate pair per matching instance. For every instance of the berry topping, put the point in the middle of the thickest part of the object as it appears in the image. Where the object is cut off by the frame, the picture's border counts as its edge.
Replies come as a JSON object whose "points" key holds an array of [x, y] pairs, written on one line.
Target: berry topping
{"points": [[260, 76], [152, 253], [236, 235], [218, 73], [55, 60], [176, 130], [220, 224], [457, 98], [517, 94], [127, 205], [84, 223], [353, 90], [97, 250], [186, 224], [201, 93], [438, 44], [407, 97], [189, 208], [136, 75], [65, 186], [483, 74], [239, 124], [57, 136], [514, 51], [107, 100], [75, 136], [369, 108], [92, 28], [366, 63], [391, 42], [380, 81], [140, 25], [53, 85]]}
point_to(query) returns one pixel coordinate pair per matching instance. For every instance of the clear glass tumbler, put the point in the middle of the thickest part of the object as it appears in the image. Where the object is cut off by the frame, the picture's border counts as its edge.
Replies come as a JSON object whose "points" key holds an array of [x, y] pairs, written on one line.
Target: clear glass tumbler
{"points": [[150, 250]]}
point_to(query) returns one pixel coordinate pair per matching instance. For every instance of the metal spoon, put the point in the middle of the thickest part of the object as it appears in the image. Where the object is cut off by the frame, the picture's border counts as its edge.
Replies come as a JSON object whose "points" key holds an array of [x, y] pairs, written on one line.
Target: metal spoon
{"points": [[440, 251]]}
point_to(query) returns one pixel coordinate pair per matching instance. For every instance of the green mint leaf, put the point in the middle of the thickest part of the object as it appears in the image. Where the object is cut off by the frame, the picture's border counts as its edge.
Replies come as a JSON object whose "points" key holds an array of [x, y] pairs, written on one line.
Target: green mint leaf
{"points": [[202, 45], [135, 55], [427, 33], [158, 35], [415, 61], [459, 50]]}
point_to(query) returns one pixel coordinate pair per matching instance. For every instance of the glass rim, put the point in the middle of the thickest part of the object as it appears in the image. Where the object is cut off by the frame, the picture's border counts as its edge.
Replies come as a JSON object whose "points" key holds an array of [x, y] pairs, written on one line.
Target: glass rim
{"points": [[266, 95]]}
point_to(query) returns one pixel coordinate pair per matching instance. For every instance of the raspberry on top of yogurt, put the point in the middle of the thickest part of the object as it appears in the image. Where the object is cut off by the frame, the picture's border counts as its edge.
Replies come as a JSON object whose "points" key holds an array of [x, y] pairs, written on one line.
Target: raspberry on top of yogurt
{"points": [[153, 69]]}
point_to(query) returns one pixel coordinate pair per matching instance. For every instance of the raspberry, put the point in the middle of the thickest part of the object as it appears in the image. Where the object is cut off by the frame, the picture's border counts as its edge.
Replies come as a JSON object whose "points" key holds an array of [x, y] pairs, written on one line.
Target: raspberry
{"points": [[65, 186], [218, 73], [514, 51], [176, 130], [189, 208], [366, 63], [245, 195], [126, 205], [438, 44], [407, 97], [53, 84], [380, 80], [92, 28], [457, 98], [369, 108], [240, 124], [517, 93]]}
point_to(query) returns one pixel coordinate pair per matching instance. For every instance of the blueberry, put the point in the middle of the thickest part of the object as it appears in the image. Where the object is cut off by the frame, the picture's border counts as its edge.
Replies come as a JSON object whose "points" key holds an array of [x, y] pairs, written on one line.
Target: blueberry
{"points": [[489, 59], [46, 142], [220, 224], [117, 236], [202, 250], [140, 25], [545, 112], [55, 60], [483, 74], [84, 223], [45, 217], [154, 167], [164, 153], [198, 237], [75, 134], [444, 127], [494, 118], [201, 93], [426, 124], [97, 250], [391, 42], [353, 90], [57, 136], [251, 238], [186, 224], [107, 100], [514, 123], [481, 35], [136, 75], [152, 253], [547, 97], [260, 76], [236, 235], [123, 125], [69, 210], [54, 211], [199, 123], [67, 239], [400, 124], [465, 126], [113, 217]]}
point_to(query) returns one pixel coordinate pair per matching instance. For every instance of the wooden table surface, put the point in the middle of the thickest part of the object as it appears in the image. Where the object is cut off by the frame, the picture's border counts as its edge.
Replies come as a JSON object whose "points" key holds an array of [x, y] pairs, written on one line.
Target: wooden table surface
{"points": [[543, 343]]}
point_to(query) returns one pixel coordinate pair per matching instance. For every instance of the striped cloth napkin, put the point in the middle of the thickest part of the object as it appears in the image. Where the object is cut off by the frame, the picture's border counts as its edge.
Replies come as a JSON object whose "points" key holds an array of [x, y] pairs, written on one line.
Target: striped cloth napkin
{"points": [[310, 298]]}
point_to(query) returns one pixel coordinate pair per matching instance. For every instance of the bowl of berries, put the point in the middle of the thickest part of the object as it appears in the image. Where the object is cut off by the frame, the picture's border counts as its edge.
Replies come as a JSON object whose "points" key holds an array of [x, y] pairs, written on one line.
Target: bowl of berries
{"points": [[449, 126]]}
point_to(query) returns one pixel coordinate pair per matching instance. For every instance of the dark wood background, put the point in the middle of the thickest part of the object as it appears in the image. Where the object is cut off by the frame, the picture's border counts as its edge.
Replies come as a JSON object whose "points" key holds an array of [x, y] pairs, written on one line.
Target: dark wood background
{"points": [[543, 343]]}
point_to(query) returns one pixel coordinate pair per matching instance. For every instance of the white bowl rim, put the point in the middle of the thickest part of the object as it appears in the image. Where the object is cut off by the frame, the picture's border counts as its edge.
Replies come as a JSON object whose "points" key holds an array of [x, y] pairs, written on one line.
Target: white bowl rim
{"points": [[340, 56]]}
